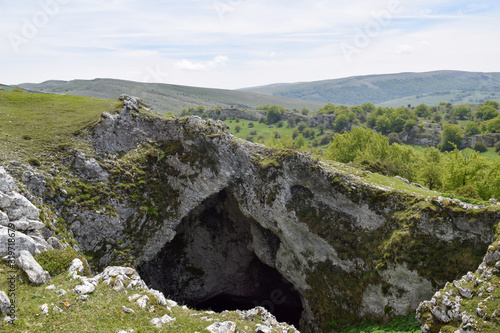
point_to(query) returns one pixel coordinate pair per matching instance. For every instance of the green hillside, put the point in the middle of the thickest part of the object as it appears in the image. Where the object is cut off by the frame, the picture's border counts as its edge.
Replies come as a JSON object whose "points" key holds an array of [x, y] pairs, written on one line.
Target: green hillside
{"points": [[166, 97], [34, 126], [394, 89]]}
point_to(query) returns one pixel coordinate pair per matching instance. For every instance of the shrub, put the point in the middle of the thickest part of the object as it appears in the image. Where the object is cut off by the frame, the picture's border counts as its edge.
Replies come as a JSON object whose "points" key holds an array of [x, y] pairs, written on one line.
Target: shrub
{"points": [[58, 261], [468, 191], [34, 162], [250, 125], [394, 138], [497, 147], [480, 147], [253, 133]]}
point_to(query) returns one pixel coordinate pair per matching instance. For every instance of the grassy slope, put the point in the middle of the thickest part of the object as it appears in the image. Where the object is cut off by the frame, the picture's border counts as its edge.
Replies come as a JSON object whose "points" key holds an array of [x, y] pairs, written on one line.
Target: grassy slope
{"points": [[36, 125], [166, 97], [101, 313], [379, 89]]}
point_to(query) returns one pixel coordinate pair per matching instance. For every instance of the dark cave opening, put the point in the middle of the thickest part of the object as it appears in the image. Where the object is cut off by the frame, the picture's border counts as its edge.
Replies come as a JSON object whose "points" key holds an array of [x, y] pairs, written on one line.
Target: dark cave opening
{"points": [[271, 291], [211, 264]]}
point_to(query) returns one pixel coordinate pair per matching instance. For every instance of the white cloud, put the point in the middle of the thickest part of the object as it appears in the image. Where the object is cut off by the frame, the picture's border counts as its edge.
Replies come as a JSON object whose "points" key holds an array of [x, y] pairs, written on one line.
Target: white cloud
{"points": [[201, 66], [404, 49]]}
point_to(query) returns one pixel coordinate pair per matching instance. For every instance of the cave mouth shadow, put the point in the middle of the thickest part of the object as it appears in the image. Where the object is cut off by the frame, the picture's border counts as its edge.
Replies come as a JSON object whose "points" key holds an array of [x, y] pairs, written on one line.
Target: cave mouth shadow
{"points": [[211, 264], [272, 291]]}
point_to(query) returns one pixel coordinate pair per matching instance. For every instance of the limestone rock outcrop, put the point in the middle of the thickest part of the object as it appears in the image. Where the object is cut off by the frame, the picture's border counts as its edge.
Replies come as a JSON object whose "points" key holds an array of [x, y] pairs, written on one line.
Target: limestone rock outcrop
{"points": [[221, 222], [19, 221], [468, 303]]}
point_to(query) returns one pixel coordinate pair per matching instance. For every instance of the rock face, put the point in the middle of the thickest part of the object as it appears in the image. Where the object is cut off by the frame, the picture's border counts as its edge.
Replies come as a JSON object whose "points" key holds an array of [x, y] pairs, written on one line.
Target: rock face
{"points": [[468, 303], [19, 220], [220, 222]]}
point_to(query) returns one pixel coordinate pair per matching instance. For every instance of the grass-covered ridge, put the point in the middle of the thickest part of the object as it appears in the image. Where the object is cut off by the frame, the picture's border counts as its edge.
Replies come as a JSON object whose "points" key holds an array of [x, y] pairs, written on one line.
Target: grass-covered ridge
{"points": [[33, 126]]}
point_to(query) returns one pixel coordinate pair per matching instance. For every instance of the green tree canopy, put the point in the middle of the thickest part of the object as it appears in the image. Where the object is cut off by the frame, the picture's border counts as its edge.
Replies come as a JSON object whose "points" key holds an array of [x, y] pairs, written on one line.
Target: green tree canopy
{"points": [[274, 114], [493, 125], [451, 137], [462, 112], [422, 110], [486, 112], [472, 128], [494, 104], [328, 109]]}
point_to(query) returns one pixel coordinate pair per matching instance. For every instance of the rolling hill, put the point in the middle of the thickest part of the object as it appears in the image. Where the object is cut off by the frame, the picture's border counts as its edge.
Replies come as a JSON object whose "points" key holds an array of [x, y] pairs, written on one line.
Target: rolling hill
{"points": [[430, 88], [166, 97]]}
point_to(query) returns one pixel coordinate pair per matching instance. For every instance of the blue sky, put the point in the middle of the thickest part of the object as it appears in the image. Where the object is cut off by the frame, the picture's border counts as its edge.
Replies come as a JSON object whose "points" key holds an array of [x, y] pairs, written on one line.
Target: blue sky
{"points": [[241, 43]]}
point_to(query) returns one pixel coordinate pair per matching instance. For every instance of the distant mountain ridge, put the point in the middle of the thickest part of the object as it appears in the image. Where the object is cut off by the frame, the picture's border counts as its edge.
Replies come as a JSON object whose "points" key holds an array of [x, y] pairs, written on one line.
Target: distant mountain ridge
{"points": [[386, 90], [167, 97], [394, 89]]}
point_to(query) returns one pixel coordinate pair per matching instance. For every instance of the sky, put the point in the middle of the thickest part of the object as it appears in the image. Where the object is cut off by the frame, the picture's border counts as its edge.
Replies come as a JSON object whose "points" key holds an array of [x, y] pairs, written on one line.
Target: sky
{"points": [[242, 43]]}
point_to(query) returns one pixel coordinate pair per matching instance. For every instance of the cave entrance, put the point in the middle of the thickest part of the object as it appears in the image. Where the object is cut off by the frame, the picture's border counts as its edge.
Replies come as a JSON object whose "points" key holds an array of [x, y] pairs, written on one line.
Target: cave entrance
{"points": [[211, 264]]}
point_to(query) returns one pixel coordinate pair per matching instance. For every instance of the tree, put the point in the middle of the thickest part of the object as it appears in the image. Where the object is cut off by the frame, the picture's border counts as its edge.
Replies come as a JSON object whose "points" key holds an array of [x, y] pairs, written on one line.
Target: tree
{"points": [[464, 168], [486, 112], [394, 138], [493, 125], [308, 133], [340, 123], [302, 126], [321, 129], [431, 170], [409, 124], [368, 107], [300, 141], [371, 121], [346, 147], [462, 112], [480, 147], [383, 124], [357, 110], [274, 114], [237, 129], [422, 110], [494, 104], [328, 109], [437, 118], [451, 137], [304, 111], [250, 125], [472, 128]]}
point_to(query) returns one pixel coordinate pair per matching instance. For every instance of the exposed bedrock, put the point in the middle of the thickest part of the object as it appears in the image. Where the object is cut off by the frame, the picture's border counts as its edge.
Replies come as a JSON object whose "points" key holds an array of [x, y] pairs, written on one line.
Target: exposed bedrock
{"points": [[214, 221]]}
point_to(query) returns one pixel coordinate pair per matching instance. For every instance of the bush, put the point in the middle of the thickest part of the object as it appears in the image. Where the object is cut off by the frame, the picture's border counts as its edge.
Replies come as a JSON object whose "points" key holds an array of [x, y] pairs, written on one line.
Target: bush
{"points": [[480, 147], [253, 133], [250, 125], [58, 261], [34, 162], [468, 191], [497, 147], [394, 138]]}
